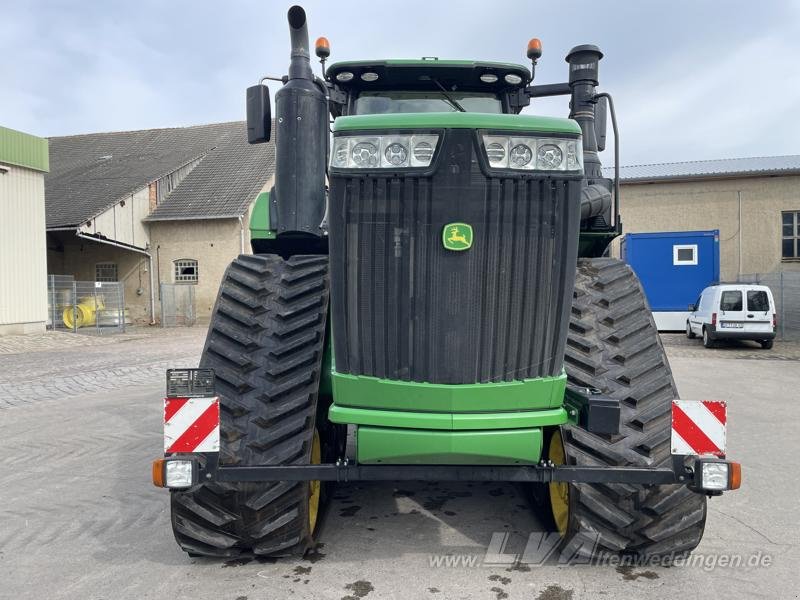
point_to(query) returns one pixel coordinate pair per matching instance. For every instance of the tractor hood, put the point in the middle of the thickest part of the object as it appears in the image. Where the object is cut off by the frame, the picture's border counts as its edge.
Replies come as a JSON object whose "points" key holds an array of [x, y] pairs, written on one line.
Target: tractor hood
{"points": [[457, 120]]}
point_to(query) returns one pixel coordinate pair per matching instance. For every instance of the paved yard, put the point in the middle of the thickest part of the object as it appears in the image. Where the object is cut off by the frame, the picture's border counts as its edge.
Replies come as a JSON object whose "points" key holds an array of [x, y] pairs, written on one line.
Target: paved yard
{"points": [[80, 519], [56, 365]]}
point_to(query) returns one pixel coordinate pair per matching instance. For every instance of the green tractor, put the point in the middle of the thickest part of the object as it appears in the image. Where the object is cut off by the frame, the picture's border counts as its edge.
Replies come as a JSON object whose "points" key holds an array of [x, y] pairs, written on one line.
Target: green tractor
{"points": [[431, 278]]}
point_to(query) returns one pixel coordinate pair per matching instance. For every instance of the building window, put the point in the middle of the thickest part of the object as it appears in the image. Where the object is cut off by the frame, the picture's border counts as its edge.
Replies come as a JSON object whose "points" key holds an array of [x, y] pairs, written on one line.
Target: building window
{"points": [[684, 254], [790, 248], [185, 270], [105, 271]]}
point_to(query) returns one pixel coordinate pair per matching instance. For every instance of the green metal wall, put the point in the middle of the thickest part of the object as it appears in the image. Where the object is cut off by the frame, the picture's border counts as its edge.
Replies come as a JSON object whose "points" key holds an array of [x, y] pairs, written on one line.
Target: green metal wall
{"points": [[23, 150]]}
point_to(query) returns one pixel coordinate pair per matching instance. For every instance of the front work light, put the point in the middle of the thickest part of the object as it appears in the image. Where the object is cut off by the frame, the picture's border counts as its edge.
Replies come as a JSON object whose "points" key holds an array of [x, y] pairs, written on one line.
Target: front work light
{"points": [[533, 153], [383, 151]]}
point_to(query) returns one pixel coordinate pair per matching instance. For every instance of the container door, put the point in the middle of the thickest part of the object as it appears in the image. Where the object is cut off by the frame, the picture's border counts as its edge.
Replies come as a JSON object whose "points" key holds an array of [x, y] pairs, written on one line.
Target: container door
{"points": [[758, 317], [731, 310]]}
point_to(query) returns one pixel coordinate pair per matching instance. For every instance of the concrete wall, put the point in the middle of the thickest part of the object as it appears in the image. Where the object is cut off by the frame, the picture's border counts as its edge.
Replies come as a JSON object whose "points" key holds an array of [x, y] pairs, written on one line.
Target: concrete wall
{"points": [[755, 247], [213, 243], [23, 264]]}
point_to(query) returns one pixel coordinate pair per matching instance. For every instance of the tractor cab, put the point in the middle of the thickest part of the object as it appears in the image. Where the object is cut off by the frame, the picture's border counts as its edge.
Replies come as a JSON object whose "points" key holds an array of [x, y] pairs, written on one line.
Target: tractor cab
{"points": [[425, 86]]}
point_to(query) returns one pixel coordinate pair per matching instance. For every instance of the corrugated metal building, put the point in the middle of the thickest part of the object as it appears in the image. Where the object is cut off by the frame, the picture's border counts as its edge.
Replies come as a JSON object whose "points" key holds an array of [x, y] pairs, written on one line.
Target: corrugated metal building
{"points": [[23, 250]]}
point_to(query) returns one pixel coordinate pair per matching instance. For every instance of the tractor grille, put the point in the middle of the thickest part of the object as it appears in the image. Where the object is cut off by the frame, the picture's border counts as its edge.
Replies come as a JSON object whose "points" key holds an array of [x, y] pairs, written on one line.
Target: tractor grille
{"points": [[406, 308]]}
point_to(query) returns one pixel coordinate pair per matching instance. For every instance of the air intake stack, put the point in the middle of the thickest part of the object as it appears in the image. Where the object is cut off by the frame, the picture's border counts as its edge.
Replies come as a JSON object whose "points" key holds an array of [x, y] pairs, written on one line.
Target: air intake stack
{"points": [[596, 199]]}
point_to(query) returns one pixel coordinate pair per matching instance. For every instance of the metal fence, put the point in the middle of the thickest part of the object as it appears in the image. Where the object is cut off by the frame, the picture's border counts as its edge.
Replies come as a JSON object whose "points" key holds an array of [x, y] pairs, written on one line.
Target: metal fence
{"points": [[85, 306], [177, 305], [785, 286]]}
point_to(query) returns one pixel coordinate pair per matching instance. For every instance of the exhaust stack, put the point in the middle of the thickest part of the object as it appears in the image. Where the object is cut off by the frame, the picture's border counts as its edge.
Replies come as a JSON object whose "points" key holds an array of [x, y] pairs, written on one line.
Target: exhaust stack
{"points": [[301, 141]]}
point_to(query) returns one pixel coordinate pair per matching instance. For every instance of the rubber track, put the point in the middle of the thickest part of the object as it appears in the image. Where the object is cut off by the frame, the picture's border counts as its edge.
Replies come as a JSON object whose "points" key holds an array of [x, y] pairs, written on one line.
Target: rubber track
{"points": [[613, 345], [265, 344]]}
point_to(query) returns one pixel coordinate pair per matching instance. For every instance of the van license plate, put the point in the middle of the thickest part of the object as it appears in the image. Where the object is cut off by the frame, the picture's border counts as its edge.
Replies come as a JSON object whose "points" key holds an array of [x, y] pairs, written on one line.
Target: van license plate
{"points": [[732, 325]]}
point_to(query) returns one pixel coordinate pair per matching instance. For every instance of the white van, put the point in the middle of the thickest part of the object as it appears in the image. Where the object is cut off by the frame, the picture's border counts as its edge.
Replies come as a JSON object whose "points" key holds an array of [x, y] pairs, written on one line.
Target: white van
{"points": [[733, 311]]}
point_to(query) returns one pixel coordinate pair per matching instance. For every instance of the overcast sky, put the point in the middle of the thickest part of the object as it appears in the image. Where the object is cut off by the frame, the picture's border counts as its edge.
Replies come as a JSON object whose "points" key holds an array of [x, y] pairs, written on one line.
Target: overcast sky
{"points": [[691, 79]]}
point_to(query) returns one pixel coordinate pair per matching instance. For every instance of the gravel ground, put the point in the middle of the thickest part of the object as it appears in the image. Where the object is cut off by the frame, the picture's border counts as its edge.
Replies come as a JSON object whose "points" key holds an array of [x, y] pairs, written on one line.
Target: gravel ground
{"points": [[80, 519]]}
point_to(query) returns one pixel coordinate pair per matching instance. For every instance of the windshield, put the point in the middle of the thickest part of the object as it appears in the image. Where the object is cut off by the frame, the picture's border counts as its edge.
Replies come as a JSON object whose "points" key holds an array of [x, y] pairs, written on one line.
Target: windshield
{"points": [[371, 103]]}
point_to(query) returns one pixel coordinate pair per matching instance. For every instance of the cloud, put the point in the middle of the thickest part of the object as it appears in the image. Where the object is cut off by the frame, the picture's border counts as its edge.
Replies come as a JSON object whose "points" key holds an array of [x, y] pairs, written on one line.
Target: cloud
{"points": [[691, 80]]}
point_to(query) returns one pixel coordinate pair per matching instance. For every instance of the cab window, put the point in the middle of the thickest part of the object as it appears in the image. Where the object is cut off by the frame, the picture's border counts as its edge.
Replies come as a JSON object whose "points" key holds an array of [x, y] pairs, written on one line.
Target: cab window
{"points": [[388, 102], [757, 300], [731, 300]]}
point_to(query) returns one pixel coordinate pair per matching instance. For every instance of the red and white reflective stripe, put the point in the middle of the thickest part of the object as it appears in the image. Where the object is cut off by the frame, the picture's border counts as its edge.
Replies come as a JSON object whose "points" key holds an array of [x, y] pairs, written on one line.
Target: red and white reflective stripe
{"points": [[698, 427], [191, 425]]}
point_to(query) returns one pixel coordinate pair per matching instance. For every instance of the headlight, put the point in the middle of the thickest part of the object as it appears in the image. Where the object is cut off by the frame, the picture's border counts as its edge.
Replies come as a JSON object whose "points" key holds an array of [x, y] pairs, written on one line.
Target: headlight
{"points": [[179, 473], [174, 473], [520, 156], [365, 154], [714, 475], [533, 153], [383, 151], [550, 157], [396, 154]]}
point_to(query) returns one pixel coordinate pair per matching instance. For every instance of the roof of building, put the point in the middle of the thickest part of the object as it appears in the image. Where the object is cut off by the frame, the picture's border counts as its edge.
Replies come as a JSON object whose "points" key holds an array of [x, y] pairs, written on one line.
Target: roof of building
{"points": [[90, 173], [706, 169]]}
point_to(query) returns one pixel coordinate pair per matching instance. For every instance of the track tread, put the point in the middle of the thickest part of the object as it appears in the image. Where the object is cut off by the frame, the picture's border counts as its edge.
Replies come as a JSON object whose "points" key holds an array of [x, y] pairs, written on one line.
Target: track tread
{"points": [[613, 345], [265, 343]]}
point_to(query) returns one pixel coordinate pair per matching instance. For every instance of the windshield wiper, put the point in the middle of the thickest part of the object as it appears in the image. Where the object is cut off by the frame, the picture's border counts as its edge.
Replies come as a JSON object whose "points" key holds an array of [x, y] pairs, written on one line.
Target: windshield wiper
{"points": [[453, 102]]}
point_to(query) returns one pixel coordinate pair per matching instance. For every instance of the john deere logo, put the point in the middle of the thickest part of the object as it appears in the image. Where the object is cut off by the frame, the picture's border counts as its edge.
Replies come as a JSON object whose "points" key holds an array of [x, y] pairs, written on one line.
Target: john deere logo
{"points": [[457, 236]]}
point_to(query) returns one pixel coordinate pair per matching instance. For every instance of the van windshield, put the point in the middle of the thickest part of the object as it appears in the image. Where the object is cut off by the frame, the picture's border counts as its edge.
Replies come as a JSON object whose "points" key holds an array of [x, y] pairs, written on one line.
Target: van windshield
{"points": [[757, 300], [731, 300]]}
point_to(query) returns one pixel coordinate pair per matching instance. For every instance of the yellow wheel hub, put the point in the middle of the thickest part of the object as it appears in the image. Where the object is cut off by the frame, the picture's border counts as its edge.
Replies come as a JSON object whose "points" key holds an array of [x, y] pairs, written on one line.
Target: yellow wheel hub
{"points": [[559, 490], [314, 487]]}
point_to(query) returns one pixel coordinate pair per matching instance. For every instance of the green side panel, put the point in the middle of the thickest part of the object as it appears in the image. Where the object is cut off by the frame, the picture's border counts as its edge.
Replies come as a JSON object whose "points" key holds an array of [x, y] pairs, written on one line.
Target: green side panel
{"points": [[23, 150], [457, 120], [370, 392], [414, 446], [259, 219], [447, 421]]}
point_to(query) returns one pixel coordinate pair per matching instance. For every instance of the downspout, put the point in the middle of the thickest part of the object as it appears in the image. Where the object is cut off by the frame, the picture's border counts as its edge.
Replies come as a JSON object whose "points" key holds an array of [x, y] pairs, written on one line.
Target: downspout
{"points": [[739, 196], [150, 268], [241, 235]]}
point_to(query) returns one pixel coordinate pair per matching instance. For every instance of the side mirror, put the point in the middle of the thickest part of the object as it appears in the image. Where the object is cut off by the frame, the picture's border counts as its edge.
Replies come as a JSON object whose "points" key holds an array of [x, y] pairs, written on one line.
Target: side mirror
{"points": [[692, 308], [259, 114], [600, 119]]}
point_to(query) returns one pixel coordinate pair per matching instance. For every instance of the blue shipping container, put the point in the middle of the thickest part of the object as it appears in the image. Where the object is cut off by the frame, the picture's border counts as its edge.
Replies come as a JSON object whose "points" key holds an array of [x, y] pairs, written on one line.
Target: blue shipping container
{"points": [[674, 267]]}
